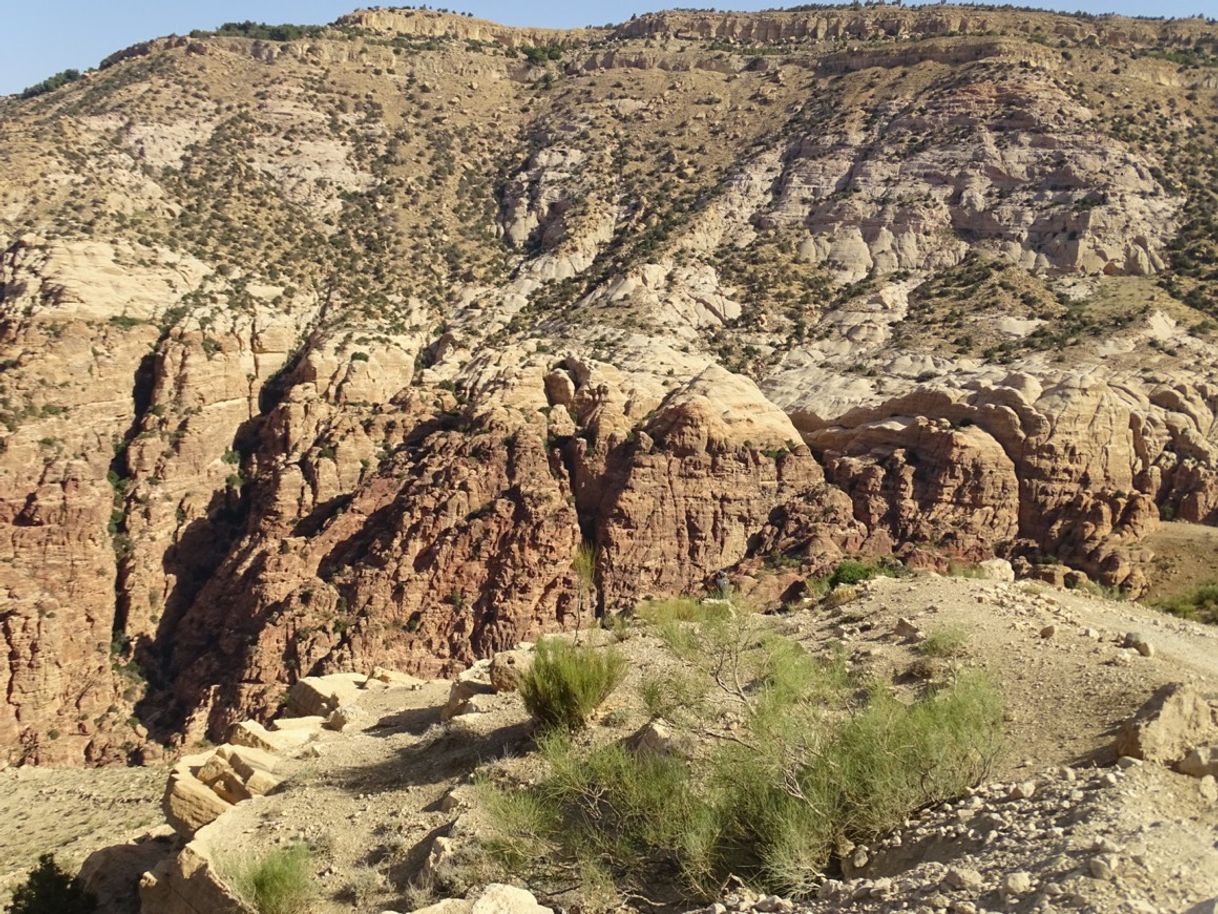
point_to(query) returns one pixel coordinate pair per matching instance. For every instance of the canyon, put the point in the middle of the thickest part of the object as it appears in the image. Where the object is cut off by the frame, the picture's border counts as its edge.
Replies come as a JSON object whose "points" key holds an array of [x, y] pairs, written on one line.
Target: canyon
{"points": [[331, 353]]}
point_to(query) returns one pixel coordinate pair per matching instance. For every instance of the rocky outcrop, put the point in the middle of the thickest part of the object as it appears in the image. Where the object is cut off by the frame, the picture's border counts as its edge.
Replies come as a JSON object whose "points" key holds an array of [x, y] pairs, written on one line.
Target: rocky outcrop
{"points": [[188, 884], [1019, 197], [699, 480], [887, 22], [1175, 727], [460, 544], [74, 330], [203, 787], [992, 469], [424, 23], [495, 898]]}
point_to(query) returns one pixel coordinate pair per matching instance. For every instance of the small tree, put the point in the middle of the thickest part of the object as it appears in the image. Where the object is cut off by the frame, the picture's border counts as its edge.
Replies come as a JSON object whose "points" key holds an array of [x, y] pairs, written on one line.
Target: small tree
{"points": [[50, 890]]}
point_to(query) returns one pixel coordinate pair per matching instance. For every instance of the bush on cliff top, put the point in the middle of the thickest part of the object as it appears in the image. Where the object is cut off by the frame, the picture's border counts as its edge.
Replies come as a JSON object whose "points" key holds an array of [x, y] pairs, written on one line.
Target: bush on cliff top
{"points": [[51, 83], [282, 882]]}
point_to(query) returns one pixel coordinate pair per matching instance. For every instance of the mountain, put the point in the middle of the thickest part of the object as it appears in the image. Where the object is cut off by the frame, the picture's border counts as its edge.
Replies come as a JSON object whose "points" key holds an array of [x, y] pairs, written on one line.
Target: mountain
{"points": [[328, 348]]}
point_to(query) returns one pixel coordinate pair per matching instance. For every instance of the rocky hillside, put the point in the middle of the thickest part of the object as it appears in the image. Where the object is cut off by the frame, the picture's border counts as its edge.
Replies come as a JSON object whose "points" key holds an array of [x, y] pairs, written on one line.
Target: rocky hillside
{"points": [[1066, 817], [332, 352]]}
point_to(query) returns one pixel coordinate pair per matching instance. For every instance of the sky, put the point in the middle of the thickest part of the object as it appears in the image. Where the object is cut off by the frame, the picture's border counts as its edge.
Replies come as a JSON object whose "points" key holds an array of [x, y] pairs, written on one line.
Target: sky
{"points": [[44, 37]]}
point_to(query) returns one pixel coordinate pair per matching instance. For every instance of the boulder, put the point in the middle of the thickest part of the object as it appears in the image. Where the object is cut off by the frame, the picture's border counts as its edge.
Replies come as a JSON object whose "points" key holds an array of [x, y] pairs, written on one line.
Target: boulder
{"points": [[395, 679], [654, 737], [281, 742], [508, 668], [1175, 720], [317, 696], [346, 717], [219, 775], [113, 873], [447, 906], [246, 760], [474, 681], [1137, 641], [312, 722], [457, 797], [1202, 761], [187, 883], [439, 858], [996, 570], [507, 899], [189, 804], [964, 878]]}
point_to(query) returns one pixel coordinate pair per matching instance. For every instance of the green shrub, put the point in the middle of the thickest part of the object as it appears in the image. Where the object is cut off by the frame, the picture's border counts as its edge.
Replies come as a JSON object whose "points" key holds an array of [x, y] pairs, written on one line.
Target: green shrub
{"points": [[1201, 605], [958, 570], [50, 890], [854, 571], [584, 565], [817, 586], [567, 682], [282, 882], [944, 642], [796, 760], [679, 609], [249, 29], [672, 694], [541, 54], [51, 83]]}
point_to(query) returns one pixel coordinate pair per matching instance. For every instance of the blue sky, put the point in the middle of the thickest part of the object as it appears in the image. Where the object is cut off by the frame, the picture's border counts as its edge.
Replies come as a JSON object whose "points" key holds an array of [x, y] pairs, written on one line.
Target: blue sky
{"points": [[44, 37]]}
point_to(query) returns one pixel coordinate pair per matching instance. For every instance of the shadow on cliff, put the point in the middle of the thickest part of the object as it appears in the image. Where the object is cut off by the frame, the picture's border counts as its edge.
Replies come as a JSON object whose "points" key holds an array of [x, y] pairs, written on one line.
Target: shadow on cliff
{"points": [[200, 549]]}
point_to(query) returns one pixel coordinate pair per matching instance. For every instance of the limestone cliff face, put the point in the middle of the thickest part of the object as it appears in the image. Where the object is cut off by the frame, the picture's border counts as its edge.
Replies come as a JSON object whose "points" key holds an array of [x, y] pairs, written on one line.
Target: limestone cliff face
{"points": [[332, 352], [873, 195], [885, 22]]}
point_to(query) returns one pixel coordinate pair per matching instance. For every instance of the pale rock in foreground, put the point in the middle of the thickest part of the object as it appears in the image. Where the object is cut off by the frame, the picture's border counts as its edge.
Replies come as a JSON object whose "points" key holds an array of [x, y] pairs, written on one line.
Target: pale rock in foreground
{"points": [[496, 898], [1175, 720]]}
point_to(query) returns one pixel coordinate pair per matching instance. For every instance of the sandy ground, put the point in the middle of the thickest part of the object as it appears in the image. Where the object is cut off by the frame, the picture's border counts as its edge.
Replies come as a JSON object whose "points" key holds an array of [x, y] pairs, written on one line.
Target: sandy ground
{"points": [[1186, 556]]}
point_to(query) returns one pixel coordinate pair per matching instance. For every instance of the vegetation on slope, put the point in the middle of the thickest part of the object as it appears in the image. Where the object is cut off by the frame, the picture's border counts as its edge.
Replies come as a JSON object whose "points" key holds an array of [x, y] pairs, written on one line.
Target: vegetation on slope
{"points": [[51, 83], [1200, 605], [282, 882], [778, 758], [567, 682]]}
